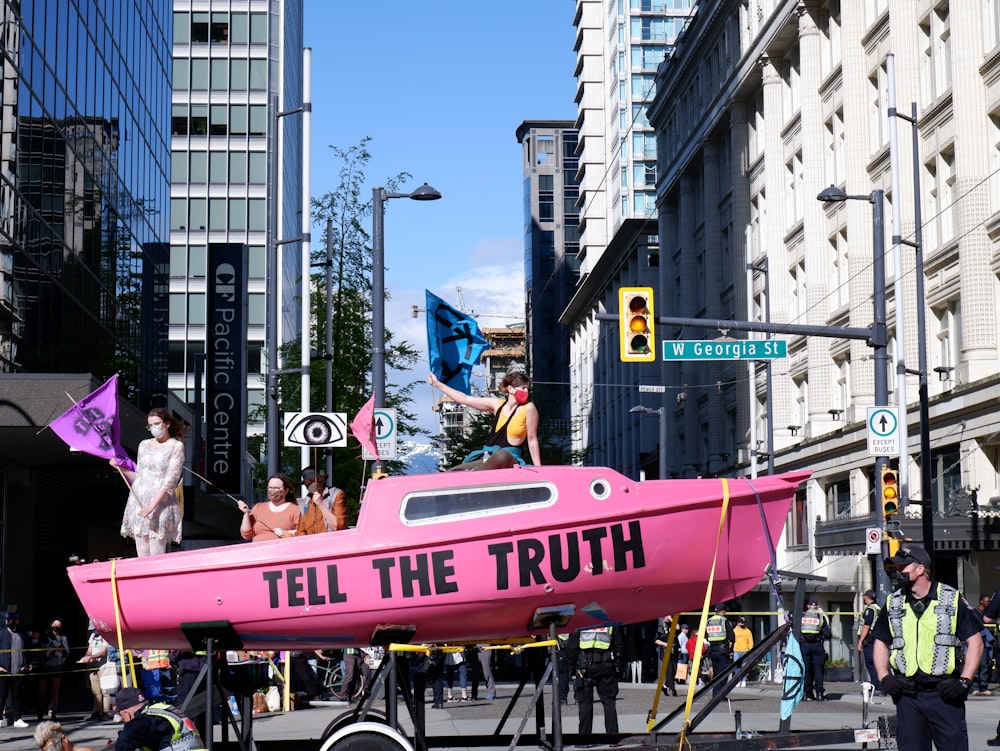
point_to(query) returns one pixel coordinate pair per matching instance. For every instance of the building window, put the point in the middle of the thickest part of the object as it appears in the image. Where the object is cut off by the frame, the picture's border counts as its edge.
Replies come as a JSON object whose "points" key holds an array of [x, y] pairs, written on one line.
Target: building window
{"points": [[798, 521], [838, 499]]}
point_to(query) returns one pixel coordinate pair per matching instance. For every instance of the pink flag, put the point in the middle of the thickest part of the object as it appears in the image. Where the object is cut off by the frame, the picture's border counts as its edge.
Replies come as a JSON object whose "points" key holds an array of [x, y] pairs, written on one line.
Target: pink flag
{"points": [[363, 427], [91, 425]]}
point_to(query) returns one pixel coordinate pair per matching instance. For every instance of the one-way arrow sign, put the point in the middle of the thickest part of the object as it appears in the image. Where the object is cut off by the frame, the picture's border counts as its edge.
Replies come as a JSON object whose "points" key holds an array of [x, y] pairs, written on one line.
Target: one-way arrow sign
{"points": [[883, 431]]}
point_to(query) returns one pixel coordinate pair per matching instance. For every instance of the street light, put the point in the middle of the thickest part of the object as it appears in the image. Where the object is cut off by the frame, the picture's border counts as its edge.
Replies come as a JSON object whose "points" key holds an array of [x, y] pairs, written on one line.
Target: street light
{"points": [[879, 334], [663, 433], [379, 196]]}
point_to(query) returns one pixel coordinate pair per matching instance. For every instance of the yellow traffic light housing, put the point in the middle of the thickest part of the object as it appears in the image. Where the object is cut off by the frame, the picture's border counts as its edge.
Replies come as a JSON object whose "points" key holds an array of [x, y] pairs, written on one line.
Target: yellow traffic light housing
{"points": [[636, 323], [890, 493]]}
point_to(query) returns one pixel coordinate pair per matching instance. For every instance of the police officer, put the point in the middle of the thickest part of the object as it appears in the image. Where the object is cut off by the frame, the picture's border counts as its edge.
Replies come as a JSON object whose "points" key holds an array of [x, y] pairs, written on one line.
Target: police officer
{"points": [[153, 726], [720, 636], [815, 630], [918, 655], [866, 637], [595, 654]]}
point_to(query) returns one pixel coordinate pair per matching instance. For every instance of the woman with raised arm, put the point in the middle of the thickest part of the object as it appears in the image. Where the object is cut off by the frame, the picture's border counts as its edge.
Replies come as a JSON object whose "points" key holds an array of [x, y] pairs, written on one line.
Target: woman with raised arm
{"points": [[515, 424]]}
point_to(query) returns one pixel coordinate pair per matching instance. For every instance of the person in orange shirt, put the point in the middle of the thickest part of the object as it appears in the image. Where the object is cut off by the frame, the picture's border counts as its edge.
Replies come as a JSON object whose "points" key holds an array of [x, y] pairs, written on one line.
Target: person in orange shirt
{"points": [[275, 518]]}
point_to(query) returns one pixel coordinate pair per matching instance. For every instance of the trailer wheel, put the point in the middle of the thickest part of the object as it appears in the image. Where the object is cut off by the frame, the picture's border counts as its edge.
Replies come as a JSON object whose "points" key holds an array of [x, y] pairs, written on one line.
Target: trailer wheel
{"points": [[346, 719], [367, 736]]}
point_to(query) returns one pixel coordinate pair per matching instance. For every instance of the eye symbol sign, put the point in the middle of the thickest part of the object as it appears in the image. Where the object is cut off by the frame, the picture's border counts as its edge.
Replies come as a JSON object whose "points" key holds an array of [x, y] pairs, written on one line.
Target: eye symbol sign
{"points": [[316, 429]]}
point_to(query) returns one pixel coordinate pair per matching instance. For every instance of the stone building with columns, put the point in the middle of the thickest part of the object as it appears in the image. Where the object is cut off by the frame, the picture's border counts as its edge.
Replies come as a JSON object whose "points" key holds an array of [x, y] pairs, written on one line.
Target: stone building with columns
{"points": [[763, 105]]}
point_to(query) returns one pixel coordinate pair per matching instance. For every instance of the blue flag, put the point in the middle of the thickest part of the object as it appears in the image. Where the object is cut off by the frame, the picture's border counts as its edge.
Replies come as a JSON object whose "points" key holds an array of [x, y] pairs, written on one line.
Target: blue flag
{"points": [[792, 689], [454, 343]]}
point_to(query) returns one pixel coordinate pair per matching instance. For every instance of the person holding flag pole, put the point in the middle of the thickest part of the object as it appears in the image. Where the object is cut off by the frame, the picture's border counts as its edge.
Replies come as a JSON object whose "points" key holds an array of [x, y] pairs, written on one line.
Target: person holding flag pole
{"points": [[153, 514]]}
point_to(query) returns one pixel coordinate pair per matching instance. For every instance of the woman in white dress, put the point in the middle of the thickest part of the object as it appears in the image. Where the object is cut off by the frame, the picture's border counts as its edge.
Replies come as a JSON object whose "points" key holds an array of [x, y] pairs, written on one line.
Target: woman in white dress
{"points": [[153, 514]]}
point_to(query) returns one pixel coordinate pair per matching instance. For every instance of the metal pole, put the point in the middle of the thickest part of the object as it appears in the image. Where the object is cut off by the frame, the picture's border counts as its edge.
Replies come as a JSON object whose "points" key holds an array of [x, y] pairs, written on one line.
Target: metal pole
{"points": [[768, 371], [751, 364], [306, 246], [879, 341], [271, 324], [199, 415], [903, 470], [926, 479], [378, 295], [662, 412], [329, 332]]}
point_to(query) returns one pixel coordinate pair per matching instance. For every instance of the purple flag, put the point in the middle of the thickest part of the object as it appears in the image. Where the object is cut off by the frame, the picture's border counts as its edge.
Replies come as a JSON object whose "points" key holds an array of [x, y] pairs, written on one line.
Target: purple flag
{"points": [[91, 425]]}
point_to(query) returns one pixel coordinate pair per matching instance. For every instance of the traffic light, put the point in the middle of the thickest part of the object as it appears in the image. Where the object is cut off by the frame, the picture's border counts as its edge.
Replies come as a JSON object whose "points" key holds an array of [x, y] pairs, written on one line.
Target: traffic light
{"points": [[636, 321], [890, 493]]}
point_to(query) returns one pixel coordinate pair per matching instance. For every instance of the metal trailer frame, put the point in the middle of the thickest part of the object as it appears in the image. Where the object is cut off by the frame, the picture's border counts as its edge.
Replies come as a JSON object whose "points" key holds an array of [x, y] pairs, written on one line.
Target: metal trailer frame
{"points": [[371, 729]]}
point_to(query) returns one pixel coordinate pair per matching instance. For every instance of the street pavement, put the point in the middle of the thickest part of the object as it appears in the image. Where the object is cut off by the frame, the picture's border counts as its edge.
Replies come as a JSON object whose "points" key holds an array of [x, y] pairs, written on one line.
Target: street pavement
{"points": [[758, 705]]}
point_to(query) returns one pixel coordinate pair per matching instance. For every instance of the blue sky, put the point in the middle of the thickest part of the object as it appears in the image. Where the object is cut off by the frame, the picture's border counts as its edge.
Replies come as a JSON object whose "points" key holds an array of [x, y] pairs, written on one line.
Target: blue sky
{"points": [[441, 88]]}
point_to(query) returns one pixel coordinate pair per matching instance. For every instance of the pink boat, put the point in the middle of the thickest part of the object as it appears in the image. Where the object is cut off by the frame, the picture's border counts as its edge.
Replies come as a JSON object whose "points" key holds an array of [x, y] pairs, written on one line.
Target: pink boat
{"points": [[459, 557]]}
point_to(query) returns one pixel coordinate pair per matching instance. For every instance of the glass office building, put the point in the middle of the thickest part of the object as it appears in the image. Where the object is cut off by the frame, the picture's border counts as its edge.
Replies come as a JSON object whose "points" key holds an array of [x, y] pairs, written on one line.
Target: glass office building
{"points": [[84, 185], [84, 227]]}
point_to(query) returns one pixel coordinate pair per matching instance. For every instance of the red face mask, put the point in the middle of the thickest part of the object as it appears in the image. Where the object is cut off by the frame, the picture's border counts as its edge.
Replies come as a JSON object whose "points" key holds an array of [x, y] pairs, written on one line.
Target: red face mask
{"points": [[521, 395]]}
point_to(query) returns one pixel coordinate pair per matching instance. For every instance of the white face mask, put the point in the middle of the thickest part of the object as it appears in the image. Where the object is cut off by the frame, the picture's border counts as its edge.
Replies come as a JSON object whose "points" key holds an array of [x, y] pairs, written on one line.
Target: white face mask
{"points": [[156, 430]]}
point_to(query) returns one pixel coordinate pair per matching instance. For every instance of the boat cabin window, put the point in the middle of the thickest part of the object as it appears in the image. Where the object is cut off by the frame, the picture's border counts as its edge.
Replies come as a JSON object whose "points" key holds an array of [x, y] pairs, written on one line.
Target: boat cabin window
{"points": [[493, 499]]}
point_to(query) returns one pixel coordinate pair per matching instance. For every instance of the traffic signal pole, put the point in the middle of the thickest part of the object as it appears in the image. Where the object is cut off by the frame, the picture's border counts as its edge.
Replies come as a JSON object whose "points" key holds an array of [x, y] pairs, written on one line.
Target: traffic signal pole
{"points": [[876, 335]]}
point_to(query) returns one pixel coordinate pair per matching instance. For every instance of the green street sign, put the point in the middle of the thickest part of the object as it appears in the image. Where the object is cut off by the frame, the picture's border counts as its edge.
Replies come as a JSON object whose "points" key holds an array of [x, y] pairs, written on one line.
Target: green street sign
{"points": [[739, 349]]}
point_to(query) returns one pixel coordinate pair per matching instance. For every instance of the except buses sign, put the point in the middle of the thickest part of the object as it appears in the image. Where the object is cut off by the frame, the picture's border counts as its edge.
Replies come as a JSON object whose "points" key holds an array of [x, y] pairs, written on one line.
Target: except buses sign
{"points": [[739, 349]]}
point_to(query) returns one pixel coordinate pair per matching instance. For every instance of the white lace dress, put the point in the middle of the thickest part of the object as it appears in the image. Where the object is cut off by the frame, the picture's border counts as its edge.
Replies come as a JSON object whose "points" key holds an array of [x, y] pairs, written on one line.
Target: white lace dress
{"points": [[158, 467]]}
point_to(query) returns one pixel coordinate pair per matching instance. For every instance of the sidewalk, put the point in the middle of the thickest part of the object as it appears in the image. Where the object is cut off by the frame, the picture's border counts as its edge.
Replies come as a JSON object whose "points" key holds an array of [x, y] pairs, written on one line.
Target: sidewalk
{"points": [[758, 705]]}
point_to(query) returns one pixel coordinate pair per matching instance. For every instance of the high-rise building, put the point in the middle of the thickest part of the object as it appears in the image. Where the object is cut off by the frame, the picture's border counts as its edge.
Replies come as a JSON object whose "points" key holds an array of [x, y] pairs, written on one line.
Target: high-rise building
{"points": [[551, 243], [84, 211], [236, 68], [619, 47]]}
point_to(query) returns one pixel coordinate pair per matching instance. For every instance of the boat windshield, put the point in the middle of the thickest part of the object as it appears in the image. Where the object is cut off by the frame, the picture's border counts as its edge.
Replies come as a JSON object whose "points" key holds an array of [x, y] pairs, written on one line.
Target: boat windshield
{"points": [[444, 503]]}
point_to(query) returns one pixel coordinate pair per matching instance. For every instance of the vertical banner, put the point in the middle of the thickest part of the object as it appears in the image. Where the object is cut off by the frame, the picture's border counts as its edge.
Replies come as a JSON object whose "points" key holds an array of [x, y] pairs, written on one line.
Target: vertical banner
{"points": [[226, 366], [155, 323]]}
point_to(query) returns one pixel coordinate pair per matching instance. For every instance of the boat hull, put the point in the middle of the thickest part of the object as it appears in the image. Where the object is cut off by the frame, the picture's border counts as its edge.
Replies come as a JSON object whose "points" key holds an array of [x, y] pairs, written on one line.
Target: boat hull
{"points": [[450, 560]]}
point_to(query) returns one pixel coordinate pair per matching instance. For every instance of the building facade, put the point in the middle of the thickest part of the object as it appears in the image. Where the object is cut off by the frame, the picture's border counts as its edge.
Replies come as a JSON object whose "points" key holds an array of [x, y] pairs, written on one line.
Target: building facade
{"points": [[551, 244], [236, 66], [84, 222], [763, 106], [619, 46]]}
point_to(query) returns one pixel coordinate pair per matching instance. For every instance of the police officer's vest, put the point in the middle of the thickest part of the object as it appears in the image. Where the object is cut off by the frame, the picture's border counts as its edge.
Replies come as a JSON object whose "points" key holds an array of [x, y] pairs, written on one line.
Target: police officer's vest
{"points": [[926, 644], [715, 629], [596, 638], [812, 622], [875, 610], [185, 736]]}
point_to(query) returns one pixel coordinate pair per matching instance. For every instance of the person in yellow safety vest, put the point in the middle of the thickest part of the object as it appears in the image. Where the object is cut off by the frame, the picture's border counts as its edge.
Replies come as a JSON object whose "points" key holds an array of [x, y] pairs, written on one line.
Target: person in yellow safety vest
{"points": [[151, 727], [815, 630], [919, 637], [720, 636], [866, 637], [594, 655]]}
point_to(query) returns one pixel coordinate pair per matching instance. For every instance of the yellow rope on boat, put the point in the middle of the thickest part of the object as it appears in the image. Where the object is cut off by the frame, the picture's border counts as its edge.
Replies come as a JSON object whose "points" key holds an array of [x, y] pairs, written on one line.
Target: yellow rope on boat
{"points": [[696, 667], [667, 651]]}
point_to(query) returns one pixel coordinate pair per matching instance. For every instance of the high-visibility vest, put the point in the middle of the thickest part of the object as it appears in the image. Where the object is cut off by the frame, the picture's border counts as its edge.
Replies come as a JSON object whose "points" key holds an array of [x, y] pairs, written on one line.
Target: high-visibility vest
{"points": [[596, 638], [185, 736], [715, 629], [926, 644], [875, 610], [812, 622]]}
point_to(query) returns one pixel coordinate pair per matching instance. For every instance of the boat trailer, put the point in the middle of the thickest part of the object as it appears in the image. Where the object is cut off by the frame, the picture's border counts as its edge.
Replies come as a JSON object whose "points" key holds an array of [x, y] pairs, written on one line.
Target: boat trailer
{"points": [[366, 727]]}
